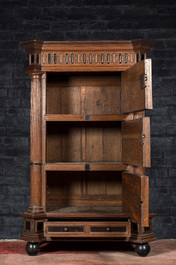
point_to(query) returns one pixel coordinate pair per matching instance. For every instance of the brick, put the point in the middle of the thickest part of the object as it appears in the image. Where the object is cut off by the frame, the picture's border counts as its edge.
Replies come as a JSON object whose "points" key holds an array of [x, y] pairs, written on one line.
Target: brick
{"points": [[158, 172], [165, 67], [160, 210], [171, 161], [3, 93], [95, 25], [12, 180], [13, 199], [169, 152], [124, 22], [173, 210], [6, 161], [13, 3], [15, 209], [38, 4], [172, 172], [29, 13], [18, 190], [10, 103], [11, 232], [163, 182], [162, 141], [152, 183], [4, 208], [3, 131], [158, 34], [12, 221], [55, 26], [53, 12], [157, 152], [158, 128], [25, 103], [162, 197], [171, 130], [70, 3], [77, 35], [128, 2], [18, 130], [116, 34], [160, 111]]}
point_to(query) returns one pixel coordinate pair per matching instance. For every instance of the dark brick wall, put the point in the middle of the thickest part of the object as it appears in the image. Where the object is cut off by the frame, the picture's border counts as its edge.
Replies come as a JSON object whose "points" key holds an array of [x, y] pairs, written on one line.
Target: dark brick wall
{"points": [[85, 20]]}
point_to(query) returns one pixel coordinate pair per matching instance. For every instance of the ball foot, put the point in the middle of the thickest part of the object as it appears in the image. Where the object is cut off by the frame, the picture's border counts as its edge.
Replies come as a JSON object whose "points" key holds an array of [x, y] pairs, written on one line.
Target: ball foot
{"points": [[142, 249], [32, 249]]}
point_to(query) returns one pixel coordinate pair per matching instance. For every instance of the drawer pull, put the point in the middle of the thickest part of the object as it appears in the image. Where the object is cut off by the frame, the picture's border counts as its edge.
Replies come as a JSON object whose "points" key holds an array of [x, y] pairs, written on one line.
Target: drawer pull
{"points": [[108, 229], [65, 229]]}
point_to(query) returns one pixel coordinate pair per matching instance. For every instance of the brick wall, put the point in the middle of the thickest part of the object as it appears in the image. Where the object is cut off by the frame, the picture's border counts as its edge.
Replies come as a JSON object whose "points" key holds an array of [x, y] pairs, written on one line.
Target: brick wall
{"points": [[85, 20]]}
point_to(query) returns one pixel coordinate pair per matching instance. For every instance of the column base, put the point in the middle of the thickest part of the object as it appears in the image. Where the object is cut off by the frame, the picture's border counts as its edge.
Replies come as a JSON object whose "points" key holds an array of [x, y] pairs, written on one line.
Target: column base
{"points": [[33, 227], [141, 235]]}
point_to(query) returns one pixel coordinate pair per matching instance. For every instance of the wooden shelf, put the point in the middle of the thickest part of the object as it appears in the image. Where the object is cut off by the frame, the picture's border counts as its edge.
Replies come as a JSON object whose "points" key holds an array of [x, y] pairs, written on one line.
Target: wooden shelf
{"points": [[71, 117], [86, 166], [88, 212]]}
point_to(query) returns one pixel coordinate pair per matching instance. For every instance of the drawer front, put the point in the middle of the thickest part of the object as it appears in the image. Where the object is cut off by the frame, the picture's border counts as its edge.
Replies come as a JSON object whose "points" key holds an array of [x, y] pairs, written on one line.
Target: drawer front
{"points": [[113, 229], [87, 229], [64, 229]]}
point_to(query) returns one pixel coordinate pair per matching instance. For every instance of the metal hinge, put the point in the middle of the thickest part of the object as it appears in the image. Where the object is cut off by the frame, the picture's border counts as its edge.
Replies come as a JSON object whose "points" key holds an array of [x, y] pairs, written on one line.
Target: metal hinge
{"points": [[87, 117], [87, 167], [144, 80]]}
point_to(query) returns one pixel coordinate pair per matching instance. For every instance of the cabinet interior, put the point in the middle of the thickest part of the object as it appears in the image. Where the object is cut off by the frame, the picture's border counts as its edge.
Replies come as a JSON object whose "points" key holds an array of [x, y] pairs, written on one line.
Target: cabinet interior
{"points": [[84, 191], [84, 141], [90, 94]]}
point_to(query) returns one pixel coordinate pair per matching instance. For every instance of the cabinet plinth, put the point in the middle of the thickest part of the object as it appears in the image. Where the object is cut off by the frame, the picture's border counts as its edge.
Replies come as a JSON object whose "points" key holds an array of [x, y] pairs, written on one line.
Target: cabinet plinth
{"points": [[90, 142]]}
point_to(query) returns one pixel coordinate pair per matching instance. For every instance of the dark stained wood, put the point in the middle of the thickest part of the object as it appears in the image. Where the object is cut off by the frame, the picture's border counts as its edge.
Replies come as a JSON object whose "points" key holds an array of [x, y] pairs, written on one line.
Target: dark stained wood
{"points": [[136, 142], [102, 188], [63, 100], [64, 142], [103, 142], [36, 143], [136, 87], [84, 229], [135, 197], [87, 212], [43, 195], [81, 166], [90, 141], [57, 201], [102, 100], [71, 117], [83, 79]]}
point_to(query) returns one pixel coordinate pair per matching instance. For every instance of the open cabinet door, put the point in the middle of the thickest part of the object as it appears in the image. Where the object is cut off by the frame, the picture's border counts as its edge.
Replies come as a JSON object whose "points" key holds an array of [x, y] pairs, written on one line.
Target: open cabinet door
{"points": [[136, 87], [136, 142], [135, 197]]}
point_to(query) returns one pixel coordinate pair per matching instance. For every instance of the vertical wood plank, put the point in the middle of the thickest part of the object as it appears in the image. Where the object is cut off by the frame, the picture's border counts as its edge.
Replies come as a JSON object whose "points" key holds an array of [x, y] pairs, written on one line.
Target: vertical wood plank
{"points": [[44, 80]]}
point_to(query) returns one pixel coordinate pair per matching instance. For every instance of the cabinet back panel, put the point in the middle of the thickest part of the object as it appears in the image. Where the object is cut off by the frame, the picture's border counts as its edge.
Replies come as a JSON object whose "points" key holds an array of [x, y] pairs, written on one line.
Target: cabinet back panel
{"points": [[102, 100], [89, 94], [66, 189], [103, 142], [64, 100], [63, 142]]}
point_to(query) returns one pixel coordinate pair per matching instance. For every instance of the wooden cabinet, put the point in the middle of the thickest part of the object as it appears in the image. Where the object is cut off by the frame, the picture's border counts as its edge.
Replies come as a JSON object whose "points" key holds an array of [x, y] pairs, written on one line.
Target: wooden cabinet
{"points": [[90, 142]]}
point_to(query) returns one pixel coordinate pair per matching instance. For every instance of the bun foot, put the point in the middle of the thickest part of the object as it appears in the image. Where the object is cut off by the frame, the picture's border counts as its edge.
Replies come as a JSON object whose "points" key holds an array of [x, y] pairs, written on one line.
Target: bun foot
{"points": [[142, 249], [32, 249]]}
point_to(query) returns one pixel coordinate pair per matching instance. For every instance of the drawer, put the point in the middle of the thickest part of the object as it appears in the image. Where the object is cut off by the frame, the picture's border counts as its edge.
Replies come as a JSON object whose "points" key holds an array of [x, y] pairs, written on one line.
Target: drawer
{"points": [[63, 229], [87, 229], [110, 229]]}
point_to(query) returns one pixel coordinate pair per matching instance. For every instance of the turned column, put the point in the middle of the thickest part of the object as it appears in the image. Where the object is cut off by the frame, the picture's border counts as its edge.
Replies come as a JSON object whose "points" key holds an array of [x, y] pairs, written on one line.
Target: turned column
{"points": [[36, 143]]}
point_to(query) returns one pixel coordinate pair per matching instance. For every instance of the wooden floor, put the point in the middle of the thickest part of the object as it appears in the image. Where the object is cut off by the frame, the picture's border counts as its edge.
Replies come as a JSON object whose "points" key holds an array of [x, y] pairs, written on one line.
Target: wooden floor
{"points": [[163, 252]]}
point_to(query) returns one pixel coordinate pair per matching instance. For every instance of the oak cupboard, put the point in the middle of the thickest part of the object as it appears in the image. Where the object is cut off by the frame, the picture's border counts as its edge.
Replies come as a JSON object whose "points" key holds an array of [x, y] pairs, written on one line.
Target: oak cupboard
{"points": [[90, 142]]}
